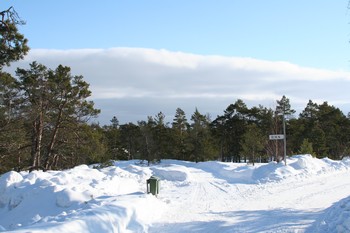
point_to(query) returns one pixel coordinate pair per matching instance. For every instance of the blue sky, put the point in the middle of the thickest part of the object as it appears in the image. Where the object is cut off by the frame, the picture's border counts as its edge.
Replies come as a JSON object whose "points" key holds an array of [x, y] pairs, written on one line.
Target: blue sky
{"points": [[311, 33], [308, 34]]}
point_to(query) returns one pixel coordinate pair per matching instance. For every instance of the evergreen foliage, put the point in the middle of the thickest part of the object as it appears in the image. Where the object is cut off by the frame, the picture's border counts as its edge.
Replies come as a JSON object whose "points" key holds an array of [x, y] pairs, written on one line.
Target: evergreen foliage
{"points": [[253, 144], [13, 45], [241, 134], [306, 148], [51, 115]]}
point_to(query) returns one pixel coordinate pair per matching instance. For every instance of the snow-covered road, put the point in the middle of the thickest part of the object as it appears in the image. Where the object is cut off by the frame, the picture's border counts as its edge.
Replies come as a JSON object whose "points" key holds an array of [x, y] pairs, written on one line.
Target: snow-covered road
{"points": [[211, 204]]}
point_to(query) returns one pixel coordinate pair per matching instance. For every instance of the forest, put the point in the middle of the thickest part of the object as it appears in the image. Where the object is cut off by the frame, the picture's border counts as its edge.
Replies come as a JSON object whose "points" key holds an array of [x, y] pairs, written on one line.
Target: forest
{"points": [[46, 123]]}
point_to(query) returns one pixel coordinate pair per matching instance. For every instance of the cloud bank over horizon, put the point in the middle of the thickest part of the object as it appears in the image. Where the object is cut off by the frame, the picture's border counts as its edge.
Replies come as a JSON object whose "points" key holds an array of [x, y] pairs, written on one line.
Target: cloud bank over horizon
{"points": [[133, 83]]}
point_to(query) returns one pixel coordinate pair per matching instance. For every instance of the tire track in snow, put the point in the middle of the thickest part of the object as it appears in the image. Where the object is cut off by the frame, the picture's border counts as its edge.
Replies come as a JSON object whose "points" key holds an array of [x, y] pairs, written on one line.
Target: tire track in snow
{"points": [[209, 204], [200, 200]]}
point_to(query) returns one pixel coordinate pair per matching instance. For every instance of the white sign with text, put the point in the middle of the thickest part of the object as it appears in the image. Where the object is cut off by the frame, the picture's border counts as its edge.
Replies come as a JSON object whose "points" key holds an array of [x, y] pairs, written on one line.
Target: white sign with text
{"points": [[276, 137]]}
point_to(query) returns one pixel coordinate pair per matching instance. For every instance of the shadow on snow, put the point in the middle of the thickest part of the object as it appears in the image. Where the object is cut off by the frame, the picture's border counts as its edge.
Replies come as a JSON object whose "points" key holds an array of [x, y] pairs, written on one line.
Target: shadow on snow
{"points": [[278, 220]]}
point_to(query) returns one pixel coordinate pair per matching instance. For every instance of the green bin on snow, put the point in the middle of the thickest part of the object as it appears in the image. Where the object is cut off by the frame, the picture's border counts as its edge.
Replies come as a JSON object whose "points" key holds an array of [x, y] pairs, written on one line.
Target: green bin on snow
{"points": [[153, 185]]}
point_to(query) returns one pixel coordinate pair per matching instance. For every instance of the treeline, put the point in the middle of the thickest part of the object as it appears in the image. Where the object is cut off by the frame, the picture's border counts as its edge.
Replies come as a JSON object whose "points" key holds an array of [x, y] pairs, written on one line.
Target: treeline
{"points": [[241, 134]]}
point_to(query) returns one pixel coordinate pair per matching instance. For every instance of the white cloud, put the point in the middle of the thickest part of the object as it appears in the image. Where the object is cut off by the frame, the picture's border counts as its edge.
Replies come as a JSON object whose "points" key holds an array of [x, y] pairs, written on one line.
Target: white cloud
{"points": [[133, 81]]}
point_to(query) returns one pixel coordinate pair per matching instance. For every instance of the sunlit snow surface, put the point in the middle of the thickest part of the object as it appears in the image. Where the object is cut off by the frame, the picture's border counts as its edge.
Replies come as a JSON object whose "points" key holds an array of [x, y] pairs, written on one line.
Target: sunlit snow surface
{"points": [[307, 195]]}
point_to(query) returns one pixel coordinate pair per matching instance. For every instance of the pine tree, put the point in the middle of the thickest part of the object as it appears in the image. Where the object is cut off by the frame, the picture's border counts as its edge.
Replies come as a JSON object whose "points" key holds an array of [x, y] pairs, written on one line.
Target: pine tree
{"points": [[13, 45], [221, 136], [161, 135], [115, 150], [284, 108], [202, 143], [180, 128], [147, 143], [236, 119], [53, 101], [282, 114], [115, 122], [253, 143]]}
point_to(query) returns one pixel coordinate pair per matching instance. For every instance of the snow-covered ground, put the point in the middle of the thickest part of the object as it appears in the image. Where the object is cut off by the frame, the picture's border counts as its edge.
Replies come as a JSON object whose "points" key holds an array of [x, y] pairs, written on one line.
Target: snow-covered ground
{"points": [[307, 195]]}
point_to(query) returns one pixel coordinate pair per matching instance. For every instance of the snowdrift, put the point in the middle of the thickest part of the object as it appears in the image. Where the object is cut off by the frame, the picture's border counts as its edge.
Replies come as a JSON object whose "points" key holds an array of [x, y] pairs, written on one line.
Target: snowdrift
{"points": [[114, 199], [335, 219], [82, 199]]}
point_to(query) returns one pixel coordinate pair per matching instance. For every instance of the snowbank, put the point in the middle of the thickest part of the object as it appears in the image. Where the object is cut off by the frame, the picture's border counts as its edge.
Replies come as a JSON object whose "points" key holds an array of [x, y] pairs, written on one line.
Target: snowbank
{"points": [[335, 219], [81, 199], [299, 166], [172, 173]]}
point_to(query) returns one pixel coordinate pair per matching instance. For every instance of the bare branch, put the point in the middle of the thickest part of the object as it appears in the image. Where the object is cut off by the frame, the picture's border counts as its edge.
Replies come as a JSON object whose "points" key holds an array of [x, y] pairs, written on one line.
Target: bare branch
{"points": [[12, 16]]}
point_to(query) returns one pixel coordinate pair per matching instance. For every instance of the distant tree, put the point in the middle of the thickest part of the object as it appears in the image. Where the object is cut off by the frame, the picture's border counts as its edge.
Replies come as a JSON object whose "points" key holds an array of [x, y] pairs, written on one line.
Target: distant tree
{"points": [[283, 113], [336, 127], [91, 145], [326, 127], [284, 108], [202, 143], [221, 133], [115, 122], [317, 137], [113, 139], [180, 127], [236, 120], [116, 150], [302, 128], [161, 135], [253, 143], [229, 128], [264, 120], [147, 142], [310, 112], [130, 135], [308, 127]]}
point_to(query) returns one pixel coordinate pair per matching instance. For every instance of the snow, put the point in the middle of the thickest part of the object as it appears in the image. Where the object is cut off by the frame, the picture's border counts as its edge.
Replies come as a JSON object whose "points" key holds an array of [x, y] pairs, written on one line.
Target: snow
{"points": [[306, 195]]}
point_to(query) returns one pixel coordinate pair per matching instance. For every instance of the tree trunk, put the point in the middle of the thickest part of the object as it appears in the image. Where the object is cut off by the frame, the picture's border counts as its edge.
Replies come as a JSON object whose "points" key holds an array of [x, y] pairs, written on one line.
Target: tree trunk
{"points": [[253, 157], [53, 140], [37, 135]]}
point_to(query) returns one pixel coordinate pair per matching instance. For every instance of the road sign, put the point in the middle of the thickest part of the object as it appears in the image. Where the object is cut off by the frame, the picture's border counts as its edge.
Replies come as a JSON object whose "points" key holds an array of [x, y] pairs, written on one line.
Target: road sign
{"points": [[276, 137]]}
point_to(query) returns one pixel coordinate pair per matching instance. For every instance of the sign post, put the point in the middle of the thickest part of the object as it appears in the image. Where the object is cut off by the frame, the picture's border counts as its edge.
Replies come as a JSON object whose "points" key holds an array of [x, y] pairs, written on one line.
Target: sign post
{"points": [[284, 139], [280, 137]]}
